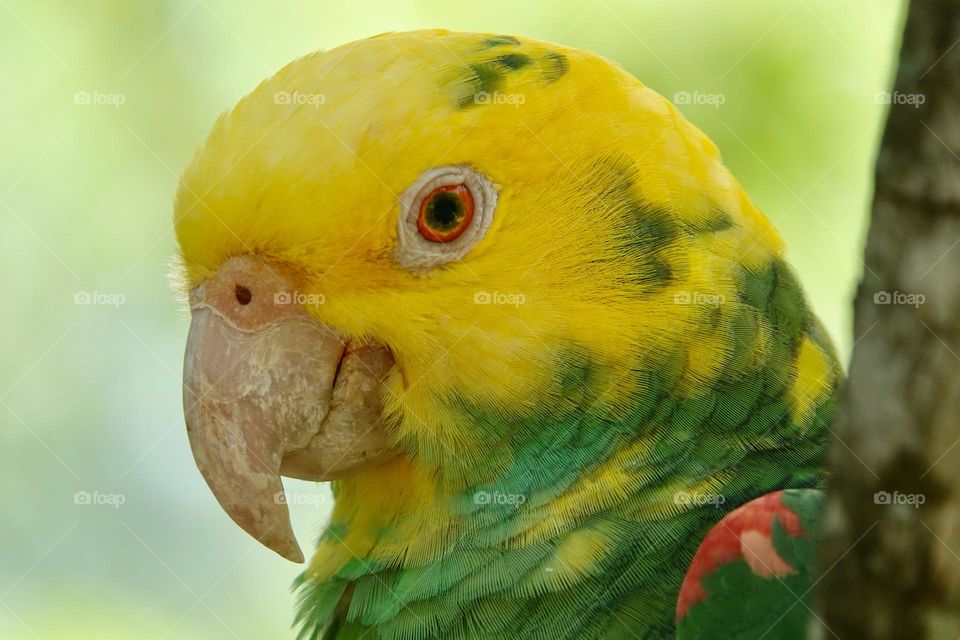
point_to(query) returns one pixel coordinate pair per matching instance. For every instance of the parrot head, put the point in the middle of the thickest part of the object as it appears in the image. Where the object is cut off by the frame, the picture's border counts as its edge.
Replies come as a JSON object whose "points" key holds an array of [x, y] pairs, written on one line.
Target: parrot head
{"points": [[487, 284]]}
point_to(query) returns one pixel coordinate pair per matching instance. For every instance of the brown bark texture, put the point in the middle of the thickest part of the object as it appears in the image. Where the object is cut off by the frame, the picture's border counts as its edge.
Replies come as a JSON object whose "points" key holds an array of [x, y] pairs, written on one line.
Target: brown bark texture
{"points": [[890, 540]]}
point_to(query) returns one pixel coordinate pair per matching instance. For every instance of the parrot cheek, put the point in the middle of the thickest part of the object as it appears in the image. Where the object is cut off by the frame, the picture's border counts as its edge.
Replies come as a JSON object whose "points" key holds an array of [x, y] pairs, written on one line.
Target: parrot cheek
{"points": [[271, 391]]}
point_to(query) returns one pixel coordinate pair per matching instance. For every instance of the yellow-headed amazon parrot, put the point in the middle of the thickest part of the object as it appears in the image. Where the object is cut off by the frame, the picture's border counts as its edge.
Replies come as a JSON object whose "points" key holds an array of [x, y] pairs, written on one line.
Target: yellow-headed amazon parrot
{"points": [[512, 303]]}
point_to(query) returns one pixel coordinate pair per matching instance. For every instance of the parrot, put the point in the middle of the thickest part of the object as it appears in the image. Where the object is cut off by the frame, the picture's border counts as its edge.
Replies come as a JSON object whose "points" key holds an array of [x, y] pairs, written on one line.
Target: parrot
{"points": [[512, 305]]}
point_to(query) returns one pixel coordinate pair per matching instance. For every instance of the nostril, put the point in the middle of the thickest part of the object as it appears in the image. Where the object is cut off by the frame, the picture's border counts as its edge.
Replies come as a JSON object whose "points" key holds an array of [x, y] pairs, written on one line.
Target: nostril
{"points": [[243, 294]]}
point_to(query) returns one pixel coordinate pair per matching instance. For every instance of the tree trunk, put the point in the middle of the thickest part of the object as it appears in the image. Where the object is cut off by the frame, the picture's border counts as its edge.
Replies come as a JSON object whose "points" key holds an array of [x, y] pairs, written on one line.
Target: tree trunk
{"points": [[890, 551]]}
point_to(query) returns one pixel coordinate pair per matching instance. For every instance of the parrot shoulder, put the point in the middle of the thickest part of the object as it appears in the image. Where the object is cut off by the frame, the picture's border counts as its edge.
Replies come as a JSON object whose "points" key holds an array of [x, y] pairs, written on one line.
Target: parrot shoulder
{"points": [[752, 575]]}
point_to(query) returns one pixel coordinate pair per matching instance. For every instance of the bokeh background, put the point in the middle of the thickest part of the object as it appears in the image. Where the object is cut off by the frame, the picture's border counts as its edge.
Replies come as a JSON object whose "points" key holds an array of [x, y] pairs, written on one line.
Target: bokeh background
{"points": [[107, 530]]}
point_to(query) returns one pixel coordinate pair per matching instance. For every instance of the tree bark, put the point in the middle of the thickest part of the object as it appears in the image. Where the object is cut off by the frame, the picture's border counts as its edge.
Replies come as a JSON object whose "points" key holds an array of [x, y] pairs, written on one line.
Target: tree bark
{"points": [[890, 539]]}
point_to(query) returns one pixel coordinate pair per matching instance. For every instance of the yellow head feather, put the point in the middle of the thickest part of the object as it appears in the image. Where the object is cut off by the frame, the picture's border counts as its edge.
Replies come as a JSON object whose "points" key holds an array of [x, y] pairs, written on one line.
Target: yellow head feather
{"points": [[307, 170]]}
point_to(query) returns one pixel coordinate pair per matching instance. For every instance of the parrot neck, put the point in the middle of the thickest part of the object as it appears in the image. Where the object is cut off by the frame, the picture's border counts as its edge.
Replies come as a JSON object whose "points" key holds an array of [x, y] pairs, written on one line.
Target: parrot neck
{"points": [[405, 545]]}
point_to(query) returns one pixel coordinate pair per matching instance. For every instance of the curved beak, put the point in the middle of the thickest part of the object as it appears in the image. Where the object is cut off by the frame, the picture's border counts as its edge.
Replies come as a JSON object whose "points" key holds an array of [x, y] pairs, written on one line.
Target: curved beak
{"points": [[268, 390]]}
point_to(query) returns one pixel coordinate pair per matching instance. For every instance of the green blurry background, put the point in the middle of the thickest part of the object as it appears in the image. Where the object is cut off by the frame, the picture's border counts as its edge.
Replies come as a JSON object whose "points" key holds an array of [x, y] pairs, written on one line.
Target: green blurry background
{"points": [[103, 103]]}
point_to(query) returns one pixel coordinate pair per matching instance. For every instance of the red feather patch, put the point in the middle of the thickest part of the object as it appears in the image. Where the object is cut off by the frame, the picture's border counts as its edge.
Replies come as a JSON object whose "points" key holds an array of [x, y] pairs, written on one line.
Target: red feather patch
{"points": [[744, 533]]}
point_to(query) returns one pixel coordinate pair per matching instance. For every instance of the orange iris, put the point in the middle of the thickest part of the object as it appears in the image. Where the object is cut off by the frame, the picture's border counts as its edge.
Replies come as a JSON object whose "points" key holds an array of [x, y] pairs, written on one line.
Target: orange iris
{"points": [[445, 213]]}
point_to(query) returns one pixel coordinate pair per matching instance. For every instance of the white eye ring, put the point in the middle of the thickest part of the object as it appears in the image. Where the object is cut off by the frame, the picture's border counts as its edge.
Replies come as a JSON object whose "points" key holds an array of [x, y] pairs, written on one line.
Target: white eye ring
{"points": [[414, 251]]}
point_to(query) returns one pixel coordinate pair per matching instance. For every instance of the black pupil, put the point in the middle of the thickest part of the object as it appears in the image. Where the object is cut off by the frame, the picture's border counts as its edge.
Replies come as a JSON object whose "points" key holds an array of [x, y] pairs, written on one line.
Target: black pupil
{"points": [[243, 294], [444, 211]]}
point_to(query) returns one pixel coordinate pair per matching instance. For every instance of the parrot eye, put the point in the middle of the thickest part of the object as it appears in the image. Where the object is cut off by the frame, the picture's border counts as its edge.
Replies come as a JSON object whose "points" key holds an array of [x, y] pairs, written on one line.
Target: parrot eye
{"points": [[443, 215], [242, 294]]}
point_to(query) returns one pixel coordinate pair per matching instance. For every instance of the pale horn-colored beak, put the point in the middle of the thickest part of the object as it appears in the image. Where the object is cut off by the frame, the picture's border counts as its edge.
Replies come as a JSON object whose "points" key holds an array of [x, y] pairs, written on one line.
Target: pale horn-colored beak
{"points": [[269, 390]]}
